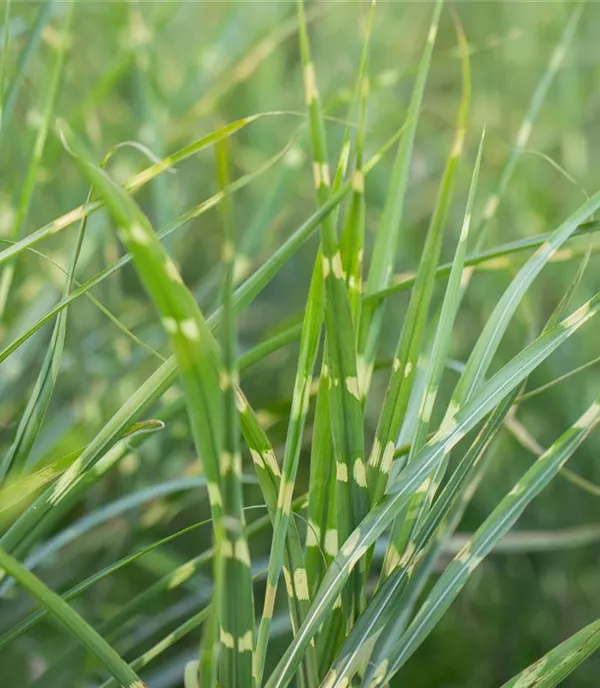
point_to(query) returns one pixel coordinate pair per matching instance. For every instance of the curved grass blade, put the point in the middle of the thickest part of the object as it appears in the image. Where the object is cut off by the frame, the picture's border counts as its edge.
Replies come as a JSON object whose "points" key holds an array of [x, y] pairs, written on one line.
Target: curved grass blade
{"points": [[400, 489], [491, 258], [132, 184], [253, 285], [72, 622], [33, 618], [37, 404], [197, 358], [524, 132], [386, 241], [181, 221], [56, 501], [494, 527], [556, 665], [33, 522]]}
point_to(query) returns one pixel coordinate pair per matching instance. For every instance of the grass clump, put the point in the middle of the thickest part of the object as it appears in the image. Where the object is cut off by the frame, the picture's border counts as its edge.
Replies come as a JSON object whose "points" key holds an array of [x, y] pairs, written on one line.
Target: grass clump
{"points": [[250, 403]]}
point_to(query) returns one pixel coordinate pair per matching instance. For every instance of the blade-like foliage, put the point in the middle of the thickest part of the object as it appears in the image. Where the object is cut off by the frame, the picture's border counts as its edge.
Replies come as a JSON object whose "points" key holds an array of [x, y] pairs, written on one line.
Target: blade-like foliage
{"points": [[67, 617], [556, 665]]}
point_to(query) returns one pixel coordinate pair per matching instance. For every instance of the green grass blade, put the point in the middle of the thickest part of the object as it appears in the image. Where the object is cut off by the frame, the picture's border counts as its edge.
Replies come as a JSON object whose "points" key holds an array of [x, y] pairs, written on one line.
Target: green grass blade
{"points": [[136, 182], [197, 357], [30, 621], [309, 344], [237, 605], [72, 622], [552, 669], [386, 242], [410, 343], [524, 132], [488, 259], [400, 490], [353, 233], [474, 551], [4, 59], [35, 520], [84, 289], [345, 404], [31, 177], [9, 98], [37, 404]]}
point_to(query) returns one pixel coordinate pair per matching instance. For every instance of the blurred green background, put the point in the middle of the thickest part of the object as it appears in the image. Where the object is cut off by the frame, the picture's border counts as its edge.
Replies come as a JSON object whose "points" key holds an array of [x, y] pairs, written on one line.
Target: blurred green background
{"points": [[167, 73]]}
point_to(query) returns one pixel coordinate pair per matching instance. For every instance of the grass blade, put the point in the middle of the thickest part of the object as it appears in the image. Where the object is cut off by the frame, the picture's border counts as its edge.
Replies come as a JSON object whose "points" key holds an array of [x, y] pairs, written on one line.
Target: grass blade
{"points": [[309, 343], [9, 98], [556, 665], [237, 605], [197, 359], [344, 402], [410, 342], [387, 236], [495, 526], [400, 490], [37, 404], [38, 146], [72, 622], [35, 519]]}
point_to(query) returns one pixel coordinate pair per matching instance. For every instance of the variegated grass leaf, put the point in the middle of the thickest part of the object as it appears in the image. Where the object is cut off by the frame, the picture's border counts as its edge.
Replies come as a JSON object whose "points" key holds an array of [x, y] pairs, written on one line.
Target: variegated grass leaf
{"points": [[198, 363], [344, 402], [480, 544], [237, 601], [35, 520], [410, 343], [386, 243], [309, 344], [400, 490], [551, 669]]}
